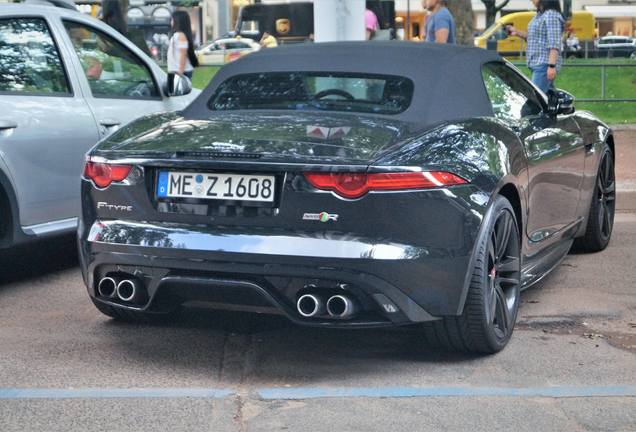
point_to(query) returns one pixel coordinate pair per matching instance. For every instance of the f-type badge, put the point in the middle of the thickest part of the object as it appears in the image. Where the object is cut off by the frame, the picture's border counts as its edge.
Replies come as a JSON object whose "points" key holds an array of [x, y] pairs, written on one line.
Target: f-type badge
{"points": [[322, 217], [114, 207]]}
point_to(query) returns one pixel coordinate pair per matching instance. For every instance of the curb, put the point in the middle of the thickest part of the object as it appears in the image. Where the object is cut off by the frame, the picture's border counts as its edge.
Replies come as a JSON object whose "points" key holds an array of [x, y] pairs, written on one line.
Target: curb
{"points": [[625, 200], [623, 127]]}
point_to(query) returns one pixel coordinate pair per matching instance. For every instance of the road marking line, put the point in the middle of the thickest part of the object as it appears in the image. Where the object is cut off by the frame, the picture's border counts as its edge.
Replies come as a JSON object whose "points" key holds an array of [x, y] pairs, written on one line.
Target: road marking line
{"points": [[115, 393], [401, 392], [290, 393]]}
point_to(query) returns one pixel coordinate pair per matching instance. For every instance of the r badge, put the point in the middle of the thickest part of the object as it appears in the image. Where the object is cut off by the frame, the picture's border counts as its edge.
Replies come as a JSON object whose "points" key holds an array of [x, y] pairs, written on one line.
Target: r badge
{"points": [[322, 217]]}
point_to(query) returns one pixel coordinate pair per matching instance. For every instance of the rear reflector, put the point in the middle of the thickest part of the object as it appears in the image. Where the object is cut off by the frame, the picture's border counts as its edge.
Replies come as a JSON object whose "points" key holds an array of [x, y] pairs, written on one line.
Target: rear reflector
{"points": [[354, 185], [103, 174]]}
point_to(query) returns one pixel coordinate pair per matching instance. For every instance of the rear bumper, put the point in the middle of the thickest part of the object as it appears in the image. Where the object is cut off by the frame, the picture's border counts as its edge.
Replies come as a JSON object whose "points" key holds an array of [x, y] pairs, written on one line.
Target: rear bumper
{"points": [[257, 287], [264, 270]]}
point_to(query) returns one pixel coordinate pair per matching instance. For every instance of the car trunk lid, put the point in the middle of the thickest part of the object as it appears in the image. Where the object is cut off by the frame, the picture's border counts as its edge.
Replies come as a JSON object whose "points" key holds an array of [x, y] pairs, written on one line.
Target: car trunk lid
{"points": [[313, 138]]}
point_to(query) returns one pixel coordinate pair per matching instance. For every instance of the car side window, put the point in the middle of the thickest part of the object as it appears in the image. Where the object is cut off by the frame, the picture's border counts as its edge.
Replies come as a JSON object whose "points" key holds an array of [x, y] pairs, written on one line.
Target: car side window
{"points": [[235, 45], [512, 98], [111, 69], [30, 62]]}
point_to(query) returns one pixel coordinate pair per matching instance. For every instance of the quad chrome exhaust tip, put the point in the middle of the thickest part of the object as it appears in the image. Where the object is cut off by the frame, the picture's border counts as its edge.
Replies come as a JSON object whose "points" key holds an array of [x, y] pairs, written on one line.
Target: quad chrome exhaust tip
{"points": [[310, 305], [340, 306], [128, 290], [107, 287]]}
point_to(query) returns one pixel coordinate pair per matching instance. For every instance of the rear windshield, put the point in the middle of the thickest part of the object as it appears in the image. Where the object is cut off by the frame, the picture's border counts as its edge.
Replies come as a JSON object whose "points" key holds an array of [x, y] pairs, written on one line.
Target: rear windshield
{"points": [[317, 91]]}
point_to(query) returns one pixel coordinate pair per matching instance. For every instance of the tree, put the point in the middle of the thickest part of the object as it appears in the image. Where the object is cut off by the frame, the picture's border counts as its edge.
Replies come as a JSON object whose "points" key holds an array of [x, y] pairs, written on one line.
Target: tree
{"points": [[462, 11], [492, 9]]}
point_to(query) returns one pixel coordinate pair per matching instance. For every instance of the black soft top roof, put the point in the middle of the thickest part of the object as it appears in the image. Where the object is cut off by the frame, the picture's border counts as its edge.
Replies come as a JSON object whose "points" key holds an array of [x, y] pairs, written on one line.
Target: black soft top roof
{"points": [[447, 78]]}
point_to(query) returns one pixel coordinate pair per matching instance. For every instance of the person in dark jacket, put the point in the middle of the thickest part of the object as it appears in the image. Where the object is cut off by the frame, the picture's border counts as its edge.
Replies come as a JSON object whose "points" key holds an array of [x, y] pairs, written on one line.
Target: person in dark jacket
{"points": [[113, 15]]}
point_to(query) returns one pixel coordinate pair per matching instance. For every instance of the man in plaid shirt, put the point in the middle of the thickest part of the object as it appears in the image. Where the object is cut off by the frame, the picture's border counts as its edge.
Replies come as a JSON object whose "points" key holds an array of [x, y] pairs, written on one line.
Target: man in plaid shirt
{"points": [[544, 43]]}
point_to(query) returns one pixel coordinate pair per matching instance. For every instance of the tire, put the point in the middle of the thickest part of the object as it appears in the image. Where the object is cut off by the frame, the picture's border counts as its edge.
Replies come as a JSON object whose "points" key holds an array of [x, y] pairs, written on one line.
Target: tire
{"points": [[490, 311], [600, 222], [6, 224], [131, 316]]}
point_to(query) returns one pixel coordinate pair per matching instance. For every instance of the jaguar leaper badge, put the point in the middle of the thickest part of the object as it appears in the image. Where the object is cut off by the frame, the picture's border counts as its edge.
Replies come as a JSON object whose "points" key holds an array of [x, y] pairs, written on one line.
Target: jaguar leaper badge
{"points": [[322, 217]]}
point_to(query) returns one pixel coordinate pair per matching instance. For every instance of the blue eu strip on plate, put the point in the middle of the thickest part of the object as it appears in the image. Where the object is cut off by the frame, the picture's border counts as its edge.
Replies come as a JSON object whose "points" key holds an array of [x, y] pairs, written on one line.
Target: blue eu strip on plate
{"points": [[162, 184]]}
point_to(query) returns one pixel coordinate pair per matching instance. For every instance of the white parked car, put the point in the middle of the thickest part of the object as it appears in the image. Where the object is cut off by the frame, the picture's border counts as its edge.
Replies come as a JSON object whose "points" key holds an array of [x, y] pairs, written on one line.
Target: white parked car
{"points": [[616, 46], [67, 80], [224, 51]]}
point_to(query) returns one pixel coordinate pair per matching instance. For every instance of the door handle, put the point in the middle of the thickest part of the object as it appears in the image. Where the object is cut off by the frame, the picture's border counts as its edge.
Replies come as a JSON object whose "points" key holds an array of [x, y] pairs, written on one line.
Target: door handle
{"points": [[7, 124], [109, 122]]}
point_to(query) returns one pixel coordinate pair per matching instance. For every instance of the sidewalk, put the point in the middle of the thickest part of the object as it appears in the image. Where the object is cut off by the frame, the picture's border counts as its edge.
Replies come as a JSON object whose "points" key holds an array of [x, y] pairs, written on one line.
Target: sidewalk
{"points": [[625, 140]]}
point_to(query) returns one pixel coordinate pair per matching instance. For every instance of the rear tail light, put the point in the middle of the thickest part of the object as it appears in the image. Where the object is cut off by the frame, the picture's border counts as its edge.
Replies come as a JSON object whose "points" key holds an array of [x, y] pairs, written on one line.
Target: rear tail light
{"points": [[103, 174], [355, 185]]}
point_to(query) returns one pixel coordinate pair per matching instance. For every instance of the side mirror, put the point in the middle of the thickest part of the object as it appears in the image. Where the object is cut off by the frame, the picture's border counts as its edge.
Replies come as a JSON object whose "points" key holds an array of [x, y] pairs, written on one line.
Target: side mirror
{"points": [[181, 86], [560, 102]]}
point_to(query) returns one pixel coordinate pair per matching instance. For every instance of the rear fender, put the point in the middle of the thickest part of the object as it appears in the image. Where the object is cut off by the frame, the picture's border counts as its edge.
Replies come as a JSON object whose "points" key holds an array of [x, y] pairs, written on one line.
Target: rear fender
{"points": [[595, 134], [483, 151], [482, 235]]}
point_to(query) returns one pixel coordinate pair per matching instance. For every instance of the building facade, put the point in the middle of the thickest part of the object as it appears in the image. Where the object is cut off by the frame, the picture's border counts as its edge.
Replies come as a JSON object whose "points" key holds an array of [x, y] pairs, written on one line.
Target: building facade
{"points": [[613, 16], [215, 18]]}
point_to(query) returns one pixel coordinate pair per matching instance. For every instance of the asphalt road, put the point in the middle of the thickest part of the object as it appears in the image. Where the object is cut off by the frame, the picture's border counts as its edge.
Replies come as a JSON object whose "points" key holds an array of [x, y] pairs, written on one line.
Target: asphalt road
{"points": [[571, 364]]}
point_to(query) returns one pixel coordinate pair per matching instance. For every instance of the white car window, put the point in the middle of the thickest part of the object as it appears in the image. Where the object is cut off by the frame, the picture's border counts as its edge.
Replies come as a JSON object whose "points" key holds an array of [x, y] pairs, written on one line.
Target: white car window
{"points": [[236, 45], [29, 60], [111, 69]]}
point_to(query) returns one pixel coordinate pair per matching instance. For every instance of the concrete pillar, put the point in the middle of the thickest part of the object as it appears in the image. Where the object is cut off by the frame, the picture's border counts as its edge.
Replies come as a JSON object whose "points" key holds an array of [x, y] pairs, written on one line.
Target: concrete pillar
{"points": [[339, 20], [210, 20], [223, 19]]}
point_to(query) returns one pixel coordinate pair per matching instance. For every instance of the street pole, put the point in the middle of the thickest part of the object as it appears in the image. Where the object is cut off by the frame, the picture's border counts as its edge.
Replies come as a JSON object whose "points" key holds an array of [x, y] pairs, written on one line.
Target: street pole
{"points": [[223, 9], [407, 31], [339, 20], [567, 9]]}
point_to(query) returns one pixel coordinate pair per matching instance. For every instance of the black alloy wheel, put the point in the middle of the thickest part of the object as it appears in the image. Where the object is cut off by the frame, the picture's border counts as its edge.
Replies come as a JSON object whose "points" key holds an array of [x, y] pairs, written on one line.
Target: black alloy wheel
{"points": [[606, 195], [600, 221], [503, 276]]}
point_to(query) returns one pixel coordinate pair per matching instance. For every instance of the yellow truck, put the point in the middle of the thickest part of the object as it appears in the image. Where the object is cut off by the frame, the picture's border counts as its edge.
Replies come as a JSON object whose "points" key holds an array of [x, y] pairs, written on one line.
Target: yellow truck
{"points": [[581, 25]]}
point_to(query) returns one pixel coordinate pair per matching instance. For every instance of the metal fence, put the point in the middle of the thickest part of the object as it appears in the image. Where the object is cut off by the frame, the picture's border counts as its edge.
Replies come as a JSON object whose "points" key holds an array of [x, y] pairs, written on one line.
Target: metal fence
{"points": [[603, 79]]}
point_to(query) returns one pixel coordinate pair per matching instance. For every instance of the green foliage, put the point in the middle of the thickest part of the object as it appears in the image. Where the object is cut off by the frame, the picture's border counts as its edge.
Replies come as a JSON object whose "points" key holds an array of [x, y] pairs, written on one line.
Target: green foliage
{"points": [[203, 75], [585, 82]]}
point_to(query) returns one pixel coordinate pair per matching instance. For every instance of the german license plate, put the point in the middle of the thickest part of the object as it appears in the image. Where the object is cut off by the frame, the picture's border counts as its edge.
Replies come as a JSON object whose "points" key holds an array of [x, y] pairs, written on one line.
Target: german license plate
{"points": [[237, 187]]}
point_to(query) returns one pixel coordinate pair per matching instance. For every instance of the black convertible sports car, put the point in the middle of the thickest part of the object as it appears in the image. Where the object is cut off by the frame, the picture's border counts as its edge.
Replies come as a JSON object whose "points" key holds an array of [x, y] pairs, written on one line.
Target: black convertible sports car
{"points": [[349, 185]]}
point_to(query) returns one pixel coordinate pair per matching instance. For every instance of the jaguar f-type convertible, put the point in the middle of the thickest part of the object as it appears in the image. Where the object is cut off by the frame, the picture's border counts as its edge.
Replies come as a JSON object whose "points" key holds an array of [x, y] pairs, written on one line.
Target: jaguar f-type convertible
{"points": [[349, 185]]}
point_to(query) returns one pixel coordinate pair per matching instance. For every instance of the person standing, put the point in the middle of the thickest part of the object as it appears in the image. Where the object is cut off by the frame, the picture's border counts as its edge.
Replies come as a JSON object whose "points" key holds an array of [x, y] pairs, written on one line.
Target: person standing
{"points": [[268, 41], [440, 25], [113, 15], [181, 57], [543, 46], [371, 23]]}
